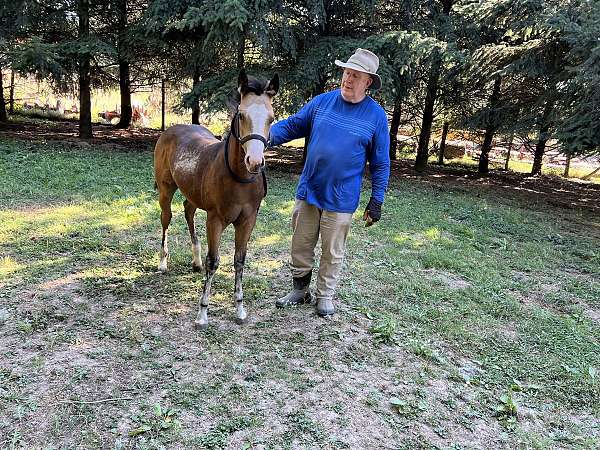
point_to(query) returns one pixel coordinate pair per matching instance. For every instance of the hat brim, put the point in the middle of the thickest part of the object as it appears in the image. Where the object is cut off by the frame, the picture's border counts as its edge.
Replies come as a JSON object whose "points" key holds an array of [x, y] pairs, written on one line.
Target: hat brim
{"points": [[375, 85]]}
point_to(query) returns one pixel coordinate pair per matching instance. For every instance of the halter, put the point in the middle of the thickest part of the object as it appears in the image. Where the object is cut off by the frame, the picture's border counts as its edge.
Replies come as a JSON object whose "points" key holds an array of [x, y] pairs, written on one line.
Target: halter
{"points": [[249, 137], [242, 141]]}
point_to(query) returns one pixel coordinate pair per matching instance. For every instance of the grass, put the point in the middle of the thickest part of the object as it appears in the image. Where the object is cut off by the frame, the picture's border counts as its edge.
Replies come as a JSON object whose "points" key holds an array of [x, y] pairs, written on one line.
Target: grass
{"points": [[525, 167], [464, 320]]}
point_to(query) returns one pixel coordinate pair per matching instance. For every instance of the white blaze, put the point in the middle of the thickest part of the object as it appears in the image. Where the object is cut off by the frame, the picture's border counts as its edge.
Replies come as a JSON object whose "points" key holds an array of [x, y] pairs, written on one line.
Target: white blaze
{"points": [[260, 117]]}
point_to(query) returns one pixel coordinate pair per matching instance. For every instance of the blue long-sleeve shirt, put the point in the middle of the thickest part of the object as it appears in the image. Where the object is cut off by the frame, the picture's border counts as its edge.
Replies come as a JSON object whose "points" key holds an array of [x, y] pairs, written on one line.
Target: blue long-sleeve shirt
{"points": [[342, 137]]}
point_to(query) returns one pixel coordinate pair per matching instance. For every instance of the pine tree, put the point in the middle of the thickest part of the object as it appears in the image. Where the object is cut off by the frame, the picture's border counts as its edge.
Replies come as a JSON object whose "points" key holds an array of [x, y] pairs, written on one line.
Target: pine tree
{"points": [[432, 90]]}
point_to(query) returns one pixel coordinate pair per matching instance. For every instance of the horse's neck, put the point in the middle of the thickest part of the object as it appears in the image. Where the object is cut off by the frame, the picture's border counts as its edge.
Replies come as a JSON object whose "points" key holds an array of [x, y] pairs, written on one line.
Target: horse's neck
{"points": [[236, 157]]}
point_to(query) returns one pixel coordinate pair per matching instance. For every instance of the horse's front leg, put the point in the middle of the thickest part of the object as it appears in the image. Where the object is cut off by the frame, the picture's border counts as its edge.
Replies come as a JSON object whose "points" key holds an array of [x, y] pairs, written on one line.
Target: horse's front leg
{"points": [[243, 229], [214, 229]]}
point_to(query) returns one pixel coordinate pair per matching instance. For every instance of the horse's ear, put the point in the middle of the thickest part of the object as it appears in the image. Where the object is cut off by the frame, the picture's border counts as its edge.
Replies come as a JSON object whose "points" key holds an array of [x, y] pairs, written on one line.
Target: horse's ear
{"points": [[242, 81], [273, 86]]}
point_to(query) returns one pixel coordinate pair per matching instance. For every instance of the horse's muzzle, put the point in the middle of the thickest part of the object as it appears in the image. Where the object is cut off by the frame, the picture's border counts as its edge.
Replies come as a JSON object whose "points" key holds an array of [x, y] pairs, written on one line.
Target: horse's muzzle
{"points": [[252, 166]]}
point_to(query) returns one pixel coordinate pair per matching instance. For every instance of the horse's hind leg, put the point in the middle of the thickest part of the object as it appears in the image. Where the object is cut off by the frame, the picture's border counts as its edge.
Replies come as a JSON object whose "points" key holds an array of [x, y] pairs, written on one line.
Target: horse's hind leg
{"points": [[166, 195], [214, 229], [190, 211], [243, 230]]}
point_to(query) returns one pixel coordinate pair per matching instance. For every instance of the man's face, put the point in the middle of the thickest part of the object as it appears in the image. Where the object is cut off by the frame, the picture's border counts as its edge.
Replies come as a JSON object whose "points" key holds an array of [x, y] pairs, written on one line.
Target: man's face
{"points": [[354, 84]]}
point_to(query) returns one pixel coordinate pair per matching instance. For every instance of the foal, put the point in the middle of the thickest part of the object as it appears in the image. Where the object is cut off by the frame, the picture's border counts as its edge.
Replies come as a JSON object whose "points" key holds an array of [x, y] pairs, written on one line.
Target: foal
{"points": [[223, 178]]}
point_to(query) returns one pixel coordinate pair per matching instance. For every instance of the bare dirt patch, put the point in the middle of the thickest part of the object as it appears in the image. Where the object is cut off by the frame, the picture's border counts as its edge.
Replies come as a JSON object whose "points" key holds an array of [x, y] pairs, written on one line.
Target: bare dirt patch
{"points": [[592, 313], [449, 279]]}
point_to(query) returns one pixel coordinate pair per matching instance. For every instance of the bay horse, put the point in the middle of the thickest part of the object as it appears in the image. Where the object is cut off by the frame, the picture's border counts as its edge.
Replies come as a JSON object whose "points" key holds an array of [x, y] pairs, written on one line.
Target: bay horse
{"points": [[224, 178]]}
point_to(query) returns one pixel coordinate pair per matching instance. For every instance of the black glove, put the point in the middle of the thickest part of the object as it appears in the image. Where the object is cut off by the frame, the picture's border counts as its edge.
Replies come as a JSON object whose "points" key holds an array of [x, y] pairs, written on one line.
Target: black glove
{"points": [[372, 212]]}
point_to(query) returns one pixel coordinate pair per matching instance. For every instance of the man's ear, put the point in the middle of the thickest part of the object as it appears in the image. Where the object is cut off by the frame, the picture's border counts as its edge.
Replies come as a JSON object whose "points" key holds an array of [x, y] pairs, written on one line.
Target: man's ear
{"points": [[370, 82]]}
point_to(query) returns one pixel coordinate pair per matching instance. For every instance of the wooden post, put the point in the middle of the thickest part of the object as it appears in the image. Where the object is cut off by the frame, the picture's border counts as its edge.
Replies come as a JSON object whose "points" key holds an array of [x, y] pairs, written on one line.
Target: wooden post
{"points": [[162, 127]]}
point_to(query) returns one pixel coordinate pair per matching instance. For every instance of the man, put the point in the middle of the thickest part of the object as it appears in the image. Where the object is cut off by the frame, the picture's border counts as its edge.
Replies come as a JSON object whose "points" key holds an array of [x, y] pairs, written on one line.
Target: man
{"points": [[345, 129]]}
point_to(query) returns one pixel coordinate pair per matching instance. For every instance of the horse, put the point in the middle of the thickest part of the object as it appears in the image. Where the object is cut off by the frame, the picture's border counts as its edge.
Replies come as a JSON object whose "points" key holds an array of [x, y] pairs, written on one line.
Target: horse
{"points": [[224, 178]]}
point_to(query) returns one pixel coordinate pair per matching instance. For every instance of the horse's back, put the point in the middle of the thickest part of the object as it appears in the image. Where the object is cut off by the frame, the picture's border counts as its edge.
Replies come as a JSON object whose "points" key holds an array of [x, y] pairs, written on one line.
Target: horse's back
{"points": [[184, 142], [183, 155], [180, 135]]}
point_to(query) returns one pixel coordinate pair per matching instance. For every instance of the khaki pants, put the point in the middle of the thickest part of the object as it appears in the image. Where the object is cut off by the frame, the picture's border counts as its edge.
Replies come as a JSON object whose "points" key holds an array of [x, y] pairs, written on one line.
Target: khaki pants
{"points": [[308, 222]]}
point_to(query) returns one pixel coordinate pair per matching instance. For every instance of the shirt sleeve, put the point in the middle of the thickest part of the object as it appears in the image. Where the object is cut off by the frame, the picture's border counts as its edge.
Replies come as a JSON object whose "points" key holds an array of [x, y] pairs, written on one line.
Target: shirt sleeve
{"points": [[379, 159], [294, 127]]}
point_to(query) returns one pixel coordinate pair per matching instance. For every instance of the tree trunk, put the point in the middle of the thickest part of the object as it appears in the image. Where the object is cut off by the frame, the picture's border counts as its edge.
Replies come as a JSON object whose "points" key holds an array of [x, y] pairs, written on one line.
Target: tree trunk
{"points": [[85, 104], [540, 149], [3, 116], [543, 136], [319, 87], [240, 52], [443, 143], [11, 98], [510, 144], [423, 147], [394, 126], [567, 167], [163, 98], [484, 157], [432, 87], [125, 88], [196, 105], [124, 75]]}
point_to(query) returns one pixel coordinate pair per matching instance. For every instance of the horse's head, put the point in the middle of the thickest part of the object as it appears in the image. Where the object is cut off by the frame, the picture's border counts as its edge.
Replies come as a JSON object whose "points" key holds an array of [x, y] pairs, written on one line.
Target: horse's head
{"points": [[255, 113]]}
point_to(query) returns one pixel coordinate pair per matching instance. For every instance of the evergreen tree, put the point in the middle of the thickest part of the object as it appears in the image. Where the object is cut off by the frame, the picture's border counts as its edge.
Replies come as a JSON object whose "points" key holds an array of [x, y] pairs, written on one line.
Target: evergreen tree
{"points": [[442, 20]]}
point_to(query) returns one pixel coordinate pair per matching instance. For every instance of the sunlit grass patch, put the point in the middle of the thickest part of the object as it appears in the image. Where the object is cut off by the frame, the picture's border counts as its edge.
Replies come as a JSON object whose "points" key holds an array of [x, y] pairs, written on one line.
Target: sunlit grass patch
{"points": [[286, 208], [12, 224], [266, 241], [428, 237], [9, 265], [268, 265]]}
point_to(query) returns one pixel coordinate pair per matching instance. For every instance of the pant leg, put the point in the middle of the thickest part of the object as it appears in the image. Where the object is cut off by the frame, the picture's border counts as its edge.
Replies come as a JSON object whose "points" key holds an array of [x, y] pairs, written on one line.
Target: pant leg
{"points": [[305, 223], [334, 231]]}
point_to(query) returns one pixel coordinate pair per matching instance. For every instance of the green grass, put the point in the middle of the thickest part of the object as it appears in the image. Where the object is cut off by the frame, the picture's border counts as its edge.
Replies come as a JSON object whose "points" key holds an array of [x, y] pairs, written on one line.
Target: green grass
{"points": [[464, 320]]}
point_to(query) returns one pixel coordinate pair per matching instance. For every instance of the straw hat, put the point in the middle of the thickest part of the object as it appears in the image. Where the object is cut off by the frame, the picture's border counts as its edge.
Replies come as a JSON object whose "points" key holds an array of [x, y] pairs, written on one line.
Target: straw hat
{"points": [[364, 61]]}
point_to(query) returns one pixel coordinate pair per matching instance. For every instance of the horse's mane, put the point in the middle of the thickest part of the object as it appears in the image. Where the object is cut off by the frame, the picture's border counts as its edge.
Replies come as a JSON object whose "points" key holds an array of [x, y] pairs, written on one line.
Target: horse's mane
{"points": [[255, 85]]}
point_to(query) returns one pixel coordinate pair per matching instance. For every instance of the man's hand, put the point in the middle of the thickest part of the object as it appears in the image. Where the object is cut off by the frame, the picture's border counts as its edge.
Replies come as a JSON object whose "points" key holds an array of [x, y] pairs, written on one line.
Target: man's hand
{"points": [[372, 212]]}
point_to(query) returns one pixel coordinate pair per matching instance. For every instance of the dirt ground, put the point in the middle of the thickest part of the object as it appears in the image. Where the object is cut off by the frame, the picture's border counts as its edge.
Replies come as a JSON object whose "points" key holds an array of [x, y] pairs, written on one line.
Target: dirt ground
{"points": [[537, 191]]}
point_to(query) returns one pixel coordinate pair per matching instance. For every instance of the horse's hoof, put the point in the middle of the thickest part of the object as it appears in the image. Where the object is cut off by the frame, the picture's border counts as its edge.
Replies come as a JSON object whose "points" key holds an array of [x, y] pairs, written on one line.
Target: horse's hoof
{"points": [[200, 325], [196, 268]]}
